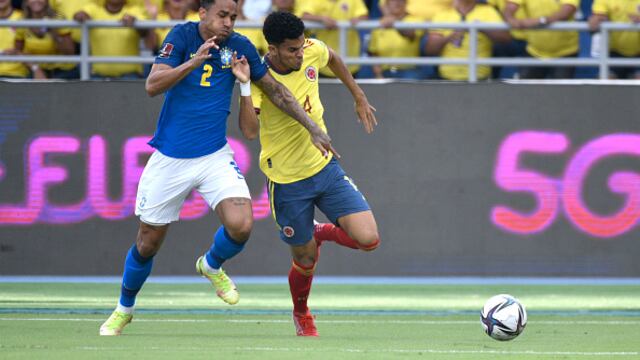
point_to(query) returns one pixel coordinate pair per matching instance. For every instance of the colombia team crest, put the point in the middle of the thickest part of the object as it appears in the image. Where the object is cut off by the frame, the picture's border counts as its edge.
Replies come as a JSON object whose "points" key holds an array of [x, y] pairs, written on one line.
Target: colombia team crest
{"points": [[311, 73], [225, 57], [288, 231]]}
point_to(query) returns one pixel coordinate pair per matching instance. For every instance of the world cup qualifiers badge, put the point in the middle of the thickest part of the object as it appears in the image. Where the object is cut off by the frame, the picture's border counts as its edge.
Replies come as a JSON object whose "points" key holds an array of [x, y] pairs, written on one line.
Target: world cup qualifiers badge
{"points": [[225, 57]]}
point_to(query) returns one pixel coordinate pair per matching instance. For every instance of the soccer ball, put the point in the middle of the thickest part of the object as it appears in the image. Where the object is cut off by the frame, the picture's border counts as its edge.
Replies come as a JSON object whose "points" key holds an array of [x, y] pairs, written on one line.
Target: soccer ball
{"points": [[503, 317]]}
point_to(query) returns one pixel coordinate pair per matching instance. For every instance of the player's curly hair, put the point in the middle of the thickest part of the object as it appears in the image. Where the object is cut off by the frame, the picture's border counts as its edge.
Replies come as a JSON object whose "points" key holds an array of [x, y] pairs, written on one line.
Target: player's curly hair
{"points": [[207, 3], [280, 26]]}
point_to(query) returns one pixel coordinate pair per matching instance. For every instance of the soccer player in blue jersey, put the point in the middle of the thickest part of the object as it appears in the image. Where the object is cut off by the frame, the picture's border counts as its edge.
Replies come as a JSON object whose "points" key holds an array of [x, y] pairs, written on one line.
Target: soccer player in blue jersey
{"points": [[197, 68], [300, 178]]}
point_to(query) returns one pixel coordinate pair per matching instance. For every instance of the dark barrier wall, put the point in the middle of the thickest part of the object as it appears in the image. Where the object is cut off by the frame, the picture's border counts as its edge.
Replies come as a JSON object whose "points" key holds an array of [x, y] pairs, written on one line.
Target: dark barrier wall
{"points": [[489, 179]]}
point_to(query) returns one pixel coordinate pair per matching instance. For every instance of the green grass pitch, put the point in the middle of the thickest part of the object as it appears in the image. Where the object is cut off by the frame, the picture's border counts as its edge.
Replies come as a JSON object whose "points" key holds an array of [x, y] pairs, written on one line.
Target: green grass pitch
{"points": [[187, 321]]}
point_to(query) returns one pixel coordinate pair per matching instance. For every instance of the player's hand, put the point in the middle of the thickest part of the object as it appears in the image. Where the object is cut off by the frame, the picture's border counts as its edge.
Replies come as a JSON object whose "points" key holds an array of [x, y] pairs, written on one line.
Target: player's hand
{"points": [[530, 23], [387, 21], [514, 23], [81, 16], [329, 23], [128, 20], [322, 141], [635, 18], [152, 10], [203, 52], [240, 68], [366, 114], [456, 37]]}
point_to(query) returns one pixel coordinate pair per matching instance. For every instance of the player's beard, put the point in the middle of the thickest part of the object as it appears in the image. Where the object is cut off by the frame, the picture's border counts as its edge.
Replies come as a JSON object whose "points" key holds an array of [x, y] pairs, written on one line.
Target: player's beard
{"points": [[297, 65]]}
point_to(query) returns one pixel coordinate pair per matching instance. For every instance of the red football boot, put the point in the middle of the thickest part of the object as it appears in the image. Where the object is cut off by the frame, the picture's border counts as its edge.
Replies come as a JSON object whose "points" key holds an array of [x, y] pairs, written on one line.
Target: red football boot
{"points": [[304, 324]]}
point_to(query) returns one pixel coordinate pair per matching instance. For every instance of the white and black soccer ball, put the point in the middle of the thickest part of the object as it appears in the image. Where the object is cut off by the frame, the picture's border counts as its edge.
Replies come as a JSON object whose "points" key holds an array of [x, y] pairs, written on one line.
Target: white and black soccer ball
{"points": [[503, 317]]}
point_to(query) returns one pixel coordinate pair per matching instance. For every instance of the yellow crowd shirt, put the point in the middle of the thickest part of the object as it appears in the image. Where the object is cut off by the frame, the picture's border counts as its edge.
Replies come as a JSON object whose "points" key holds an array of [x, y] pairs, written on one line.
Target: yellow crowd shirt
{"points": [[7, 42], [287, 153], [339, 10], [67, 9], [520, 14], [131, 3], [43, 45], [256, 37], [626, 43], [549, 44], [480, 13], [162, 33], [425, 10], [390, 43], [114, 41]]}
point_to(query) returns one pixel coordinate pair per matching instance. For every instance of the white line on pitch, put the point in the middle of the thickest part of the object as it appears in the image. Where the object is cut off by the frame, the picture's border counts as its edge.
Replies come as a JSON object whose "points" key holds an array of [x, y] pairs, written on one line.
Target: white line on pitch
{"points": [[355, 350]]}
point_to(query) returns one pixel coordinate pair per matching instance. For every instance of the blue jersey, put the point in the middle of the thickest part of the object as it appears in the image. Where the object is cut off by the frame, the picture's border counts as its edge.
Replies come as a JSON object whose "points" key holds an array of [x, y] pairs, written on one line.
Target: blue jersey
{"points": [[193, 120]]}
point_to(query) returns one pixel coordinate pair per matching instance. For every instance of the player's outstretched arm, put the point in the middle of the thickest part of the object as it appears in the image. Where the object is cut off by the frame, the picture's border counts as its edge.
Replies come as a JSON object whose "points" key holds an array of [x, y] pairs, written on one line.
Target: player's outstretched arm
{"points": [[247, 118], [364, 110], [284, 100], [162, 76]]}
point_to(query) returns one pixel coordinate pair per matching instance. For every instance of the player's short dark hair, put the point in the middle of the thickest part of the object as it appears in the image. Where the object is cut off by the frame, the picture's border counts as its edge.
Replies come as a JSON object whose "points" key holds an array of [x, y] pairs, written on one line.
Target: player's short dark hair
{"points": [[280, 26], [207, 3]]}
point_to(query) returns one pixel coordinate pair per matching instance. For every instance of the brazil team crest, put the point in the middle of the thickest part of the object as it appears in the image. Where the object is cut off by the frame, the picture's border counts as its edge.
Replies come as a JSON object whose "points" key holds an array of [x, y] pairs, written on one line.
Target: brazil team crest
{"points": [[225, 57]]}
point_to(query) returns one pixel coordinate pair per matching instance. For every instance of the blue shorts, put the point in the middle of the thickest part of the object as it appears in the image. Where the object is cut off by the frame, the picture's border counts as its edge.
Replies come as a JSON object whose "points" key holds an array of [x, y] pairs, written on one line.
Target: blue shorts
{"points": [[331, 190]]}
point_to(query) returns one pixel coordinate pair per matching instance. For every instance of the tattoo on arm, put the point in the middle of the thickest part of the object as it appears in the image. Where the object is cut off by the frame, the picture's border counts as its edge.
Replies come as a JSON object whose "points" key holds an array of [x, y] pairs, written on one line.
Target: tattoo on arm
{"points": [[281, 97]]}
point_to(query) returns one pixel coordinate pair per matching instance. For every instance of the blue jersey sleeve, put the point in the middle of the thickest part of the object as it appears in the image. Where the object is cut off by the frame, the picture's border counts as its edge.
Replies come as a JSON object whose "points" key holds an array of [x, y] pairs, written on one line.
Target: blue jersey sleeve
{"points": [[257, 65], [173, 48]]}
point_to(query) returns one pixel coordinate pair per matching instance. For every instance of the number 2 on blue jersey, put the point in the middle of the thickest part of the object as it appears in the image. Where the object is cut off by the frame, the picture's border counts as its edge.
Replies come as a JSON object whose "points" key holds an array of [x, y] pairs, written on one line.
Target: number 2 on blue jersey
{"points": [[204, 80]]}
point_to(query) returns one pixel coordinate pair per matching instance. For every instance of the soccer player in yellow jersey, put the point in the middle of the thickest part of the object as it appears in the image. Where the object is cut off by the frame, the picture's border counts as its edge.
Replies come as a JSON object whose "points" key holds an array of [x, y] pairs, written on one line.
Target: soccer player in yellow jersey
{"points": [[299, 177], [7, 42], [545, 44], [622, 43]]}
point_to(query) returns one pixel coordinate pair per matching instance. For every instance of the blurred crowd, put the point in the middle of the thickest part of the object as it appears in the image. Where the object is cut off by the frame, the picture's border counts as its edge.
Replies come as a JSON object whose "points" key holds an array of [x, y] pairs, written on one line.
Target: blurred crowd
{"points": [[523, 16]]}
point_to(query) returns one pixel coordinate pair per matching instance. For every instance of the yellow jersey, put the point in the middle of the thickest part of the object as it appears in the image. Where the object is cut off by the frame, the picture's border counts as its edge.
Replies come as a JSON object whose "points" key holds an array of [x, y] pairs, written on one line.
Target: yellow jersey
{"points": [[520, 14], [425, 10], [162, 33], [626, 43], [479, 13], [546, 43], [114, 41], [137, 3], [43, 45], [67, 9], [287, 153], [390, 43], [256, 37], [7, 42], [339, 10]]}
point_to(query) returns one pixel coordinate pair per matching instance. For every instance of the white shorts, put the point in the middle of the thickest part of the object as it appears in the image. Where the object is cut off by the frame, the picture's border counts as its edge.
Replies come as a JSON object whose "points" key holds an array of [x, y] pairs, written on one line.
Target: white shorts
{"points": [[166, 182]]}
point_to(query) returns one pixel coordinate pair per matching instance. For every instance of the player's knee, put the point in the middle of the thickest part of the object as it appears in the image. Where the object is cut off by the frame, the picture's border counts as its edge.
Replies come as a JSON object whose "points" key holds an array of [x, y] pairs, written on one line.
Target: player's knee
{"points": [[369, 241], [240, 229], [305, 264]]}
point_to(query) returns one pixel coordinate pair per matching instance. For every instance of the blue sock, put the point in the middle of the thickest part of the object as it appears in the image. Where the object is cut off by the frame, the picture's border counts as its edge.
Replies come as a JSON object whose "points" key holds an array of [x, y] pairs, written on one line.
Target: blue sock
{"points": [[136, 270], [223, 248]]}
